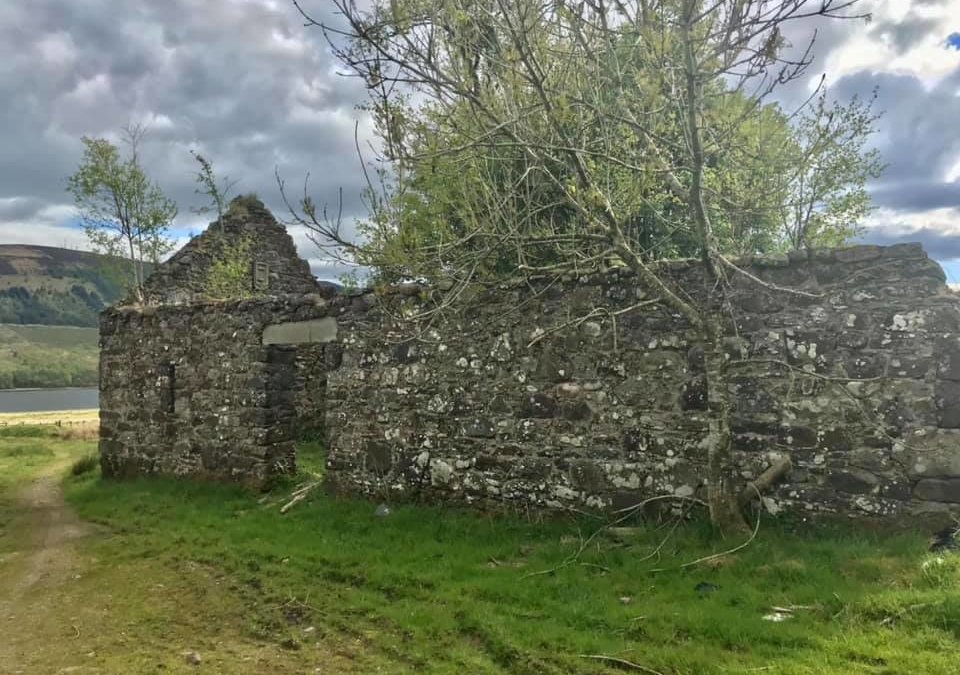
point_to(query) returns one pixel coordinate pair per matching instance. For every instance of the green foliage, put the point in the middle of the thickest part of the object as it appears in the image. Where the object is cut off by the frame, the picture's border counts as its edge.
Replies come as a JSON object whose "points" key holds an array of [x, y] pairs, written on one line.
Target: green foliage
{"points": [[350, 280], [76, 307], [241, 205], [828, 171], [86, 464], [215, 189], [496, 166], [56, 286], [125, 215], [231, 276]]}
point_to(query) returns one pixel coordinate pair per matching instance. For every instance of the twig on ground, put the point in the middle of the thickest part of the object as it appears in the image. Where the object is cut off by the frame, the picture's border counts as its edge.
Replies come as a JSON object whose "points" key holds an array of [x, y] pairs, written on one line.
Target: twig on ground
{"points": [[714, 556], [627, 513], [298, 496], [673, 528], [659, 498], [620, 662]]}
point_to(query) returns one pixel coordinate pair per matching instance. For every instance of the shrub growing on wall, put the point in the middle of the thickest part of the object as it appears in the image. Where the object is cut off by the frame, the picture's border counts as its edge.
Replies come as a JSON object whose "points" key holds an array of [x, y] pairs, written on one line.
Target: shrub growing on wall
{"points": [[231, 276]]}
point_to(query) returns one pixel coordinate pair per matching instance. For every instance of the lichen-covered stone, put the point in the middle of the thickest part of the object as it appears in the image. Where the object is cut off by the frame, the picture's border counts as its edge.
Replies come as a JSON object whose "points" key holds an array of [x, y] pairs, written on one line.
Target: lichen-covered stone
{"points": [[499, 402], [938, 490], [184, 277]]}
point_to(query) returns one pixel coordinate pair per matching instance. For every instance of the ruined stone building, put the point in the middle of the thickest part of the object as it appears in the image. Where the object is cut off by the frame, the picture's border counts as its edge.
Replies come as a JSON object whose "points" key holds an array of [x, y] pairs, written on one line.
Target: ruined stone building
{"points": [[493, 403]]}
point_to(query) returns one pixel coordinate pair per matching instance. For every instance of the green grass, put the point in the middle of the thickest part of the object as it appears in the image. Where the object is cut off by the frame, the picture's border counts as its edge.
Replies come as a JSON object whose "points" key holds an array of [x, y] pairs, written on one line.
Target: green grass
{"points": [[85, 464], [24, 450], [311, 459], [437, 590], [52, 336]]}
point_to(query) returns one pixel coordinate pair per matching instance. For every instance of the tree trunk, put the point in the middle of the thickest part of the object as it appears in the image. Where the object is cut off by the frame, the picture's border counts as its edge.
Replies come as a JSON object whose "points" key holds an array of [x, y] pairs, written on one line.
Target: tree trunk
{"points": [[722, 496], [137, 283]]}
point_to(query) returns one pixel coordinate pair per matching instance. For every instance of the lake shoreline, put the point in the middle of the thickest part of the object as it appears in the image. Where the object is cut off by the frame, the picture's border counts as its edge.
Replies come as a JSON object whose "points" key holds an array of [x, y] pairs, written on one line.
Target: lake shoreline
{"points": [[20, 389], [47, 400]]}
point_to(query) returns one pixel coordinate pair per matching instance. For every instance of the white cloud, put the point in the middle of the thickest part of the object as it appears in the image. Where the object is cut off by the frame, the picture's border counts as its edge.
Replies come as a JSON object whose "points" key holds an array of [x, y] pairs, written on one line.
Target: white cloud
{"points": [[43, 235], [244, 83], [887, 43]]}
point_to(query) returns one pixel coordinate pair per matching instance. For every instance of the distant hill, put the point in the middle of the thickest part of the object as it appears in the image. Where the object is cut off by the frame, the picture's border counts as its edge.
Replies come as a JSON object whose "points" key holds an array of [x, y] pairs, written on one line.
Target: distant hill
{"points": [[53, 286], [48, 356], [50, 299]]}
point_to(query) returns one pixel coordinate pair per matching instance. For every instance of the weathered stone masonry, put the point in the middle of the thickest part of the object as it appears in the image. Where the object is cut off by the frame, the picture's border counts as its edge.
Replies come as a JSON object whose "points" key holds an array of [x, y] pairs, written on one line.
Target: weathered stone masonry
{"points": [[564, 394], [183, 278], [193, 390]]}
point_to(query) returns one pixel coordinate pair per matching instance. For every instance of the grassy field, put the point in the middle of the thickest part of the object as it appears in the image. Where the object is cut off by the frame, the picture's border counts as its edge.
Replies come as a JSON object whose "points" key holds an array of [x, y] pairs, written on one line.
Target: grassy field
{"points": [[47, 356], [68, 418], [332, 587]]}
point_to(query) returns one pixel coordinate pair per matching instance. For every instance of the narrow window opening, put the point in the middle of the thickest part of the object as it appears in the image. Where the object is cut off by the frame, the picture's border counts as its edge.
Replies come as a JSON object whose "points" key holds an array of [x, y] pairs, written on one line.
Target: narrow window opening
{"points": [[171, 387]]}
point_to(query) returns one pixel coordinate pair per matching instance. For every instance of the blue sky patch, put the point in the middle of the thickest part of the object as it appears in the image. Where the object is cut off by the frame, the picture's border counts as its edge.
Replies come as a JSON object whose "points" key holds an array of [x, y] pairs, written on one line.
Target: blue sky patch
{"points": [[953, 40], [952, 270]]}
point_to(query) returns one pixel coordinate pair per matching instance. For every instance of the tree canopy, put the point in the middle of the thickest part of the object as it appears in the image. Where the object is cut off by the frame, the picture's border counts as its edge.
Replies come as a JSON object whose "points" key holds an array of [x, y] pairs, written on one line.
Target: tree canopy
{"points": [[492, 80], [126, 216]]}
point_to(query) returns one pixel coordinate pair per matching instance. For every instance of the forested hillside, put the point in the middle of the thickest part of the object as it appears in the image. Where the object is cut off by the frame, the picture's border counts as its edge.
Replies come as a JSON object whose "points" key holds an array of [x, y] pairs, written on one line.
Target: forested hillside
{"points": [[54, 286], [47, 356], [50, 299]]}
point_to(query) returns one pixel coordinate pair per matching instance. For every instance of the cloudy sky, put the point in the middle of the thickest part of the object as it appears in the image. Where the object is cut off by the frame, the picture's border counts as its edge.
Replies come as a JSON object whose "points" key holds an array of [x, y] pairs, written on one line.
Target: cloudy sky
{"points": [[243, 82]]}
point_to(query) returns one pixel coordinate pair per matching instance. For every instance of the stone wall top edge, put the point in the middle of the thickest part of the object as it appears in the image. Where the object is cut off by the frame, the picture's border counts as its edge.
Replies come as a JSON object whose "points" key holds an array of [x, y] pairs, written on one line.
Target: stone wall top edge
{"points": [[843, 255], [272, 302], [846, 255]]}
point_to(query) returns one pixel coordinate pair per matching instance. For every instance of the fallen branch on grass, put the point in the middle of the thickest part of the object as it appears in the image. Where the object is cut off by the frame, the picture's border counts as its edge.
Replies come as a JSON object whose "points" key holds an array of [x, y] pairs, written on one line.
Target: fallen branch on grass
{"points": [[714, 556], [299, 495], [620, 662], [660, 498], [627, 513]]}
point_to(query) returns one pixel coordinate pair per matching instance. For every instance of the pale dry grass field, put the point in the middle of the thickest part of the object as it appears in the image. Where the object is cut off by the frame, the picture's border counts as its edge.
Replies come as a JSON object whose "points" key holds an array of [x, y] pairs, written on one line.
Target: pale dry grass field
{"points": [[73, 424]]}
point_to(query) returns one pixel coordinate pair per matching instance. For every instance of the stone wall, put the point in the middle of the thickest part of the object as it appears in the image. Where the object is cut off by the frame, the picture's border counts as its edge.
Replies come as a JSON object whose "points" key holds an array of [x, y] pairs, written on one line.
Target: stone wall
{"points": [[193, 390], [572, 395], [183, 278], [586, 393]]}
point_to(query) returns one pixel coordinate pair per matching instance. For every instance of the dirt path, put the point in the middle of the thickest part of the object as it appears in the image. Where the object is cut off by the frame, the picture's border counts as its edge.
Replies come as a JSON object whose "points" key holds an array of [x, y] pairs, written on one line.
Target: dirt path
{"points": [[64, 610], [37, 573], [53, 528]]}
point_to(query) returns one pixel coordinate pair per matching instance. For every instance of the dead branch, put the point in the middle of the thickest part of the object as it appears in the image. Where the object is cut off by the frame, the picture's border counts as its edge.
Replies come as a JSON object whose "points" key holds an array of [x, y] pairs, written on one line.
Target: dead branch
{"points": [[714, 556], [620, 662], [599, 311], [766, 480], [766, 284], [299, 495]]}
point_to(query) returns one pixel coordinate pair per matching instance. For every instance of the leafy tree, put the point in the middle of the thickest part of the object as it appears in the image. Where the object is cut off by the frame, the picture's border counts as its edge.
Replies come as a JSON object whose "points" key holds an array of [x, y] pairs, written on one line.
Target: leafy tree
{"points": [[553, 136], [827, 173], [125, 215], [774, 181]]}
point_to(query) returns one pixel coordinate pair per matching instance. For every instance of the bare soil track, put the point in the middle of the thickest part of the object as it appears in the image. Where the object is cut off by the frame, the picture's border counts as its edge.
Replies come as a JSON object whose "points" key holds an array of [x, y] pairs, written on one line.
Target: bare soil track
{"points": [[64, 610], [35, 576]]}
